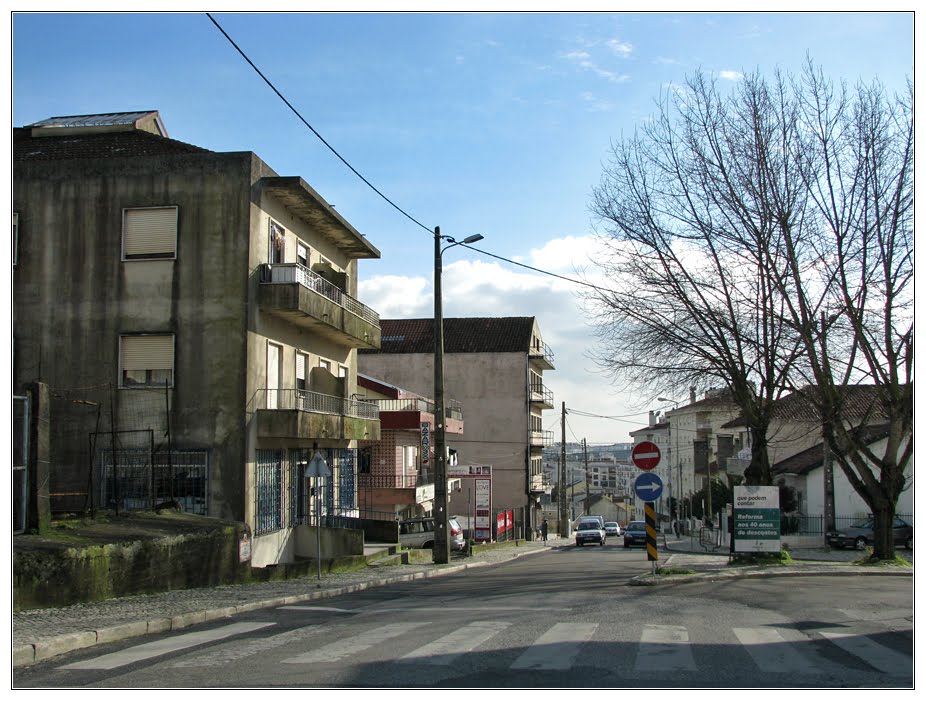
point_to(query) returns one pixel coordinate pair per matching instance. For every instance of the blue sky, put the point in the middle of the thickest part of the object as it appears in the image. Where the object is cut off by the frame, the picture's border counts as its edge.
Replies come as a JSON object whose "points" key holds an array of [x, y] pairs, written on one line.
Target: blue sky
{"points": [[496, 123]]}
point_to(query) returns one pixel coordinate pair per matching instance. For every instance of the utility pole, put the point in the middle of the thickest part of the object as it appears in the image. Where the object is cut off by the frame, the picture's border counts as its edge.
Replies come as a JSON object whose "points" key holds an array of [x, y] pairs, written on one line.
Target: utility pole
{"points": [[587, 482], [563, 513]]}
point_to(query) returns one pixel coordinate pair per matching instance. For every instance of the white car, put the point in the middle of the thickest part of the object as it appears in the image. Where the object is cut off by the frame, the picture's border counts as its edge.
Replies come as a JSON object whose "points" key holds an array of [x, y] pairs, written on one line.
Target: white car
{"points": [[613, 528]]}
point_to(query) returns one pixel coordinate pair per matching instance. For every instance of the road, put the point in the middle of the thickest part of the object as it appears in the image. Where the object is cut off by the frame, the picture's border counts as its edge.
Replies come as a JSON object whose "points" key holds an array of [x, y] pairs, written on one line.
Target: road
{"points": [[564, 618]]}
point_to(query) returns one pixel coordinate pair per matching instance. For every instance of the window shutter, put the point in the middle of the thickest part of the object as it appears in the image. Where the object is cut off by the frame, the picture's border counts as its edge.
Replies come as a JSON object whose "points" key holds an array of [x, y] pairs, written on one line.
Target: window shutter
{"points": [[150, 232], [300, 366], [147, 352]]}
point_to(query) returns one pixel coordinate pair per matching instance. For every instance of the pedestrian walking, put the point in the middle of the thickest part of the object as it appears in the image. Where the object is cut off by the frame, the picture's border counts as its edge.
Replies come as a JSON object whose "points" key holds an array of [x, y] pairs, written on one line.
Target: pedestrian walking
{"points": [[543, 530], [675, 528]]}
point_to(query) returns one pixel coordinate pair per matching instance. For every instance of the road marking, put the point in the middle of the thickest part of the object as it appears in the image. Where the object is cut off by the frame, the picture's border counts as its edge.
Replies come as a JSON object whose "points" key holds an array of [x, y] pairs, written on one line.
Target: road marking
{"points": [[238, 650], [878, 656], [165, 646], [347, 647], [315, 608], [664, 649], [557, 648], [445, 650], [772, 653]]}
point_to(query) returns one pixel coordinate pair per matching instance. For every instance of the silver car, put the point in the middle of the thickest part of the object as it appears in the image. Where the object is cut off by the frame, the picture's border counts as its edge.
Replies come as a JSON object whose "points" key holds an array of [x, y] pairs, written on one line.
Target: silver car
{"points": [[419, 533]]}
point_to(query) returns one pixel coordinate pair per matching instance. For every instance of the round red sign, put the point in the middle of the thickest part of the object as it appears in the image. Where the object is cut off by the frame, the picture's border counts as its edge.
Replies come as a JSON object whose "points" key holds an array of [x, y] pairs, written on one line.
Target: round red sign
{"points": [[645, 455]]}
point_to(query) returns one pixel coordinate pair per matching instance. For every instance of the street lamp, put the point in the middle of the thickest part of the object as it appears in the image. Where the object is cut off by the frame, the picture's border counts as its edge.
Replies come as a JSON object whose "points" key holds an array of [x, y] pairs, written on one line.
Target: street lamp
{"points": [[441, 553]]}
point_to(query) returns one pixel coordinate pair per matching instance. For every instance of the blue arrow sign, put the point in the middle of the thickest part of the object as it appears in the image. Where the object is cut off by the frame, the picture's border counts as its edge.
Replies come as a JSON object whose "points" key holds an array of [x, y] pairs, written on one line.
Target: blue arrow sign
{"points": [[648, 487]]}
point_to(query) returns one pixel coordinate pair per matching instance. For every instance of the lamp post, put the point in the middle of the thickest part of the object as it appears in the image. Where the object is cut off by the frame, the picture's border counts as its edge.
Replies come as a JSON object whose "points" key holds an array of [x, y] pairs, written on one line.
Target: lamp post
{"points": [[441, 536]]}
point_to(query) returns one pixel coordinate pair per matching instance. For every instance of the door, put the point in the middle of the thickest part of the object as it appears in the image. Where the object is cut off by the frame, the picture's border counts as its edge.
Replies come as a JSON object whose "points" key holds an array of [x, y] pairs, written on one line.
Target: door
{"points": [[274, 353]]}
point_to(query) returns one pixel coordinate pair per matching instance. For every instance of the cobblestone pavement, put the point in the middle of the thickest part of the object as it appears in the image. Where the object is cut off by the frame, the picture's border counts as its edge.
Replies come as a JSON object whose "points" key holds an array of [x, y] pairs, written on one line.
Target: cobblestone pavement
{"points": [[39, 634]]}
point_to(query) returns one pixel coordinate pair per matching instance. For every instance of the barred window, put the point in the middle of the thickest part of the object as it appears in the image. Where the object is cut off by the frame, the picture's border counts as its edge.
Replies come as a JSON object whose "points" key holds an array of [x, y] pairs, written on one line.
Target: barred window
{"points": [[269, 491]]}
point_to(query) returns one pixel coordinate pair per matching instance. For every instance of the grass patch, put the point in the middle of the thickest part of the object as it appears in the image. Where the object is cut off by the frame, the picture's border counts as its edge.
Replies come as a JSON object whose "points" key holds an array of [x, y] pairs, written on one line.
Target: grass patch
{"points": [[782, 557], [869, 560], [673, 570]]}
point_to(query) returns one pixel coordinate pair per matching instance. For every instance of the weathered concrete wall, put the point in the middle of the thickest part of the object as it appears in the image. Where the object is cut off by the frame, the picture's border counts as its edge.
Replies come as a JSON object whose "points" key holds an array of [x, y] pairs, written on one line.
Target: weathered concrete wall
{"points": [[335, 542], [61, 576]]}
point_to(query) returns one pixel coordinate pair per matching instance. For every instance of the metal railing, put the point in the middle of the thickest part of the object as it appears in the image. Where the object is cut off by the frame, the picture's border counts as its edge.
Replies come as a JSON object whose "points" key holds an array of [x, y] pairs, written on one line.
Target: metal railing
{"points": [[541, 352], [539, 393], [542, 438], [425, 406], [315, 402], [394, 481], [283, 273]]}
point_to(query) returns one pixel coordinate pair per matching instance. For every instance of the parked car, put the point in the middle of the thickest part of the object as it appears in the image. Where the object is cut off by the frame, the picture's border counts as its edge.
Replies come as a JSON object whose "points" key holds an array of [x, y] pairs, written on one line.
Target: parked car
{"points": [[590, 531], [862, 532], [635, 534], [612, 528], [419, 533]]}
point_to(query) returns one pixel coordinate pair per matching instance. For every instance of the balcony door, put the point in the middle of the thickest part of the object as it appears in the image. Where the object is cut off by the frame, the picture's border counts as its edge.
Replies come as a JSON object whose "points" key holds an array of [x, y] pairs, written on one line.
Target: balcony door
{"points": [[274, 355]]}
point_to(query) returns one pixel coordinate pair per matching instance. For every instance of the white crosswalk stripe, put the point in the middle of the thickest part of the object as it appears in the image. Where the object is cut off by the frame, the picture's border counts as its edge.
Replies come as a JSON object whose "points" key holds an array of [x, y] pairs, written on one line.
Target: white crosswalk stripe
{"points": [[664, 649], [773, 654], [445, 650], [557, 648], [350, 646], [239, 650], [878, 656], [146, 651]]}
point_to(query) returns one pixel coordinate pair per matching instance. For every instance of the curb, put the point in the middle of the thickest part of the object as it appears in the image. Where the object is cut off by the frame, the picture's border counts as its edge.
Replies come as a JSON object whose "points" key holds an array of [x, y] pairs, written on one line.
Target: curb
{"points": [[39, 650]]}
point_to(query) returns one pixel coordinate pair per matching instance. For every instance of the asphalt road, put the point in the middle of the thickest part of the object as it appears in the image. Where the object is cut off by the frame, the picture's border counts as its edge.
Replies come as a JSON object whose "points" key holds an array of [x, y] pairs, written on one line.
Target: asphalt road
{"points": [[563, 618]]}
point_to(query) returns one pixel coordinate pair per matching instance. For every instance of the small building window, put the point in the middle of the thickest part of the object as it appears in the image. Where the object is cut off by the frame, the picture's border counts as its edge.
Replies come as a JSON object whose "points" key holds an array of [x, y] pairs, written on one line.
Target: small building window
{"points": [[301, 363], [277, 243], [149, 233], [146, 360], [303, 254]]}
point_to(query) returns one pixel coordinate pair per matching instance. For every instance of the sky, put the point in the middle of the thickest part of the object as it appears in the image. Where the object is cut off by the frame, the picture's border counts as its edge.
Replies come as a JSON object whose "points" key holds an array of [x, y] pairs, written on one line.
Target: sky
{"points": [[491, 123]]}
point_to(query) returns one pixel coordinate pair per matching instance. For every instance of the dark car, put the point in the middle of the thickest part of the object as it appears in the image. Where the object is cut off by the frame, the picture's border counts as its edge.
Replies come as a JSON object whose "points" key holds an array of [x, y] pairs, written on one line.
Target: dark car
{"points": [[635, 534], [590, 531], [862, 532]]}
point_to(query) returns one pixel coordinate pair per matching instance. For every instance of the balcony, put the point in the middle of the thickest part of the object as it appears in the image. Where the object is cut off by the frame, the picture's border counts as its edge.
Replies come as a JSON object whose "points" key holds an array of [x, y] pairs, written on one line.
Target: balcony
{"points": [[541, 396], [304, 415], [540, 439], [303, 297], [541, 356], [539, 485], [410, 412]]}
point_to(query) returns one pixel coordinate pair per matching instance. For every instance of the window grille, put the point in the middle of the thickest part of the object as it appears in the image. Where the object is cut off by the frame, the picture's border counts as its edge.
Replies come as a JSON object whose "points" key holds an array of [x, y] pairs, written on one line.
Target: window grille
{"points": [[269, 491]]}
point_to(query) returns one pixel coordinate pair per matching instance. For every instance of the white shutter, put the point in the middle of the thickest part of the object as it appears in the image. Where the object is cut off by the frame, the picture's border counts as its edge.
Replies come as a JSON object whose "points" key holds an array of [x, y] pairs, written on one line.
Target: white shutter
{"points": [[148, 352], [150, 232], [300, 366]]}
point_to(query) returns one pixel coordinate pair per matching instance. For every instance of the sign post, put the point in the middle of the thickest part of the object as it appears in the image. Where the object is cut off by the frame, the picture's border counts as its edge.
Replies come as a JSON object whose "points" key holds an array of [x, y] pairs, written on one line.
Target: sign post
{"points": [[648, 488], [756, 519], [318, 468]]}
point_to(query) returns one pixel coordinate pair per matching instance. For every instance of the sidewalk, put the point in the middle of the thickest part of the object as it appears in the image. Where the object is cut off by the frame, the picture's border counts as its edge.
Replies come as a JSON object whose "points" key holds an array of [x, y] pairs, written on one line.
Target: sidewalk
{"points": [[40, 634]]}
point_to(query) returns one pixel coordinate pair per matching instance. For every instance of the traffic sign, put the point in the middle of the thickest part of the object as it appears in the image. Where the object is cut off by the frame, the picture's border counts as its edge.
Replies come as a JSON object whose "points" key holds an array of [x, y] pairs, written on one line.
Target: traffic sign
{"points": [[645, 455], [648, 487]]}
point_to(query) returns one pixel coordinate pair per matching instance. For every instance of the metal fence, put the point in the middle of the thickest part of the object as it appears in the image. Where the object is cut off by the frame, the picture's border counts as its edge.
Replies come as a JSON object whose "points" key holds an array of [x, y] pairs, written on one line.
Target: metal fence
{"points": [[815, 525], [133, 479]]}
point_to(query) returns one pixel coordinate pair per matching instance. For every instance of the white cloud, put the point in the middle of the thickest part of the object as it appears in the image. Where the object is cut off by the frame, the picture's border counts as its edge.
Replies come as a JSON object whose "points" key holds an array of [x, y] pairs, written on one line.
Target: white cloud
{"points": [[475, 287], [584, 61], [731, 75], [621, 48]]}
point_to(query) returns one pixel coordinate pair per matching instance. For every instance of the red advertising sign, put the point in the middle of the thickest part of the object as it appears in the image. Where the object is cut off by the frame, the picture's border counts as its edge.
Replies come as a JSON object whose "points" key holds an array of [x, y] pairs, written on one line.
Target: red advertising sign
{"points": [[645, 455]]}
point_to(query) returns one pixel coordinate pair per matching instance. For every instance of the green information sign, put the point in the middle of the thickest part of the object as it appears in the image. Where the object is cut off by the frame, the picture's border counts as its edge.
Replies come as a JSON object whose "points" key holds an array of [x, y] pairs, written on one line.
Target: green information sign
{"points": [[756, 519]]}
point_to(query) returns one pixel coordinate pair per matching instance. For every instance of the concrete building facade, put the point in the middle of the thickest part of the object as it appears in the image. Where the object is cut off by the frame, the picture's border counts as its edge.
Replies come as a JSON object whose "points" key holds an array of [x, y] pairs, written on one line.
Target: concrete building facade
{"points": [[193, 312], [494, 368]]}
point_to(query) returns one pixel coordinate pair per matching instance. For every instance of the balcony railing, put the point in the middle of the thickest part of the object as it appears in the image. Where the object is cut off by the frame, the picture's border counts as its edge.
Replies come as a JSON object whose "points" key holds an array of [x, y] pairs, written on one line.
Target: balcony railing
{"points": [[541, 438], [541, 395], [542, 354], [284, 273], [394, 481], [314, 402], [425, 406]]}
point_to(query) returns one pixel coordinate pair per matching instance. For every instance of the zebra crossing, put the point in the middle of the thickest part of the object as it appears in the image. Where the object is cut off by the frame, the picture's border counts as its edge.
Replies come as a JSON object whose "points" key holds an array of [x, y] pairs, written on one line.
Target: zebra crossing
{"points": [[657, 649]]}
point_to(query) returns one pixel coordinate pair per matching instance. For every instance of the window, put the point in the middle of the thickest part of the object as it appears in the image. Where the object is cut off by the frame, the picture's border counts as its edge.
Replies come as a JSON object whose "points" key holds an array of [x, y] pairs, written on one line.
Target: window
{"points": [[269, 491], [146, 360], [324, 364], [277, 243], [342, 371], [149, 233], [302, 360], [303, 254]]}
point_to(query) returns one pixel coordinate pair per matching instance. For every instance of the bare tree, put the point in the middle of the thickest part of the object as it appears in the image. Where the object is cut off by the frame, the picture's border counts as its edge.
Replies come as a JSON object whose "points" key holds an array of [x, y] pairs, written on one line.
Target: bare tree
{"points": [[761, 238], [688, 234]]}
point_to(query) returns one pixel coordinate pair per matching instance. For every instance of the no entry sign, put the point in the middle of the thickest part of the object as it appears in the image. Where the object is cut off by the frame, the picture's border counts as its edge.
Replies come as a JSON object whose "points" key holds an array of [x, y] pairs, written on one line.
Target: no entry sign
{"points": [[645, 455]]}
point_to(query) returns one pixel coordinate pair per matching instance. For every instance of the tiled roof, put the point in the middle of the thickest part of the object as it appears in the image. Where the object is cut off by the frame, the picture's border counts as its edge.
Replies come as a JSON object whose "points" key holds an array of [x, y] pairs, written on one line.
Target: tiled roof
{"points": [[812, 458], [125, 144], [464, 335], [861, 403]]}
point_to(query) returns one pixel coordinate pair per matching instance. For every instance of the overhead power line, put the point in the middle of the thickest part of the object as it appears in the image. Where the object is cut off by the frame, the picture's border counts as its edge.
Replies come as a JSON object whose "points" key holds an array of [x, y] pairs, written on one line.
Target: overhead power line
{"points": [[367, 182]]}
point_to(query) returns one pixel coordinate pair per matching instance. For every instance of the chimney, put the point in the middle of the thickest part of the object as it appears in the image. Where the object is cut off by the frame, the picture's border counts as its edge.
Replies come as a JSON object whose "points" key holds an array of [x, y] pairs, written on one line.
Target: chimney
{"points": [[652, 418], [693, 395]]}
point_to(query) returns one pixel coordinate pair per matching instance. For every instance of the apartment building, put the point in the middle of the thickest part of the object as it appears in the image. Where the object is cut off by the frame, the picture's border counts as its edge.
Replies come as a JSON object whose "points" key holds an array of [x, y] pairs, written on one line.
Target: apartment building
{"points": [[495, 368], [396, 473], [194, 315]]}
